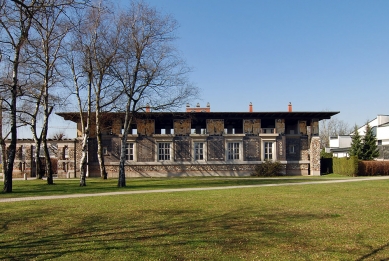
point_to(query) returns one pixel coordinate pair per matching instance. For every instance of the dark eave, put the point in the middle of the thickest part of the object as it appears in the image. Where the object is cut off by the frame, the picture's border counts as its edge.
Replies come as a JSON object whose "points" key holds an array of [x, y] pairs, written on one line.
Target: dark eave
{"points": [[74, 116]]}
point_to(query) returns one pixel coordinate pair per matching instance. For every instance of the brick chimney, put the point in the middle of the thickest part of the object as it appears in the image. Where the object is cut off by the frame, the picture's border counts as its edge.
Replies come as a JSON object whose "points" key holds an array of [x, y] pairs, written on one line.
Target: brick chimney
{"points": [[148, 107], [250, 107], [198, 108], [290, 107]]}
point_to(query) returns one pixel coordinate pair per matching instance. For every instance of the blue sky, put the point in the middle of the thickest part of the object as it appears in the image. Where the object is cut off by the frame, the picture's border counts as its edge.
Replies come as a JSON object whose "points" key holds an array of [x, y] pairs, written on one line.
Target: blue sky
{"points": [[319, 55]]}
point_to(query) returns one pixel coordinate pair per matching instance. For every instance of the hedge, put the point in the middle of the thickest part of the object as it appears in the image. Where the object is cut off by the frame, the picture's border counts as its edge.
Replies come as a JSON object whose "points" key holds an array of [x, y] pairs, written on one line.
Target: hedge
{"points": [[346, 166], [373, 168]]}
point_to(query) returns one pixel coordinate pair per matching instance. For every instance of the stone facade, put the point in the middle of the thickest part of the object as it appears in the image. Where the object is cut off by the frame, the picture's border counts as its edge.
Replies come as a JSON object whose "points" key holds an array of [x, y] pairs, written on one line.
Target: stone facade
{"points": [[315, 156], [146, 149], [65, 157], [191, 143], [182, 149], [252, 148], [211, 143]]}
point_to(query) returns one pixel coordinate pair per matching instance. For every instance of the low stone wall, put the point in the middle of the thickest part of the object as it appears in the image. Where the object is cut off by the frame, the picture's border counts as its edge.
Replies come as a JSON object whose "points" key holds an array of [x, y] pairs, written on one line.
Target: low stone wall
{"points": [[297, 169], [183, 170], [188, 170]]}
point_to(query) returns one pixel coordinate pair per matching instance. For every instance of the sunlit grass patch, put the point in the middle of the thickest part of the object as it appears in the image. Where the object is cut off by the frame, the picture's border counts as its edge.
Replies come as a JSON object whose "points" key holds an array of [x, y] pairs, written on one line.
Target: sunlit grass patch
{"points": [[347, 221], [35, 187]]}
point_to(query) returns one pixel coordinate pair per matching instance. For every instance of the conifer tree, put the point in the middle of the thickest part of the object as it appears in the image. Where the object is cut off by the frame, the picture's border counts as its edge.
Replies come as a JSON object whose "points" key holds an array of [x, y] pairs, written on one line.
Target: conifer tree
{"points": [[356, 144], [369, 149]]}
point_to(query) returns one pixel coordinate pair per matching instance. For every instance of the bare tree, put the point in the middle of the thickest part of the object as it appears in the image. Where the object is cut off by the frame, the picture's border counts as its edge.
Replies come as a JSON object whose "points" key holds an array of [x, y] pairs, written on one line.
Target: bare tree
{"points": [[81, 66], [51, 28], [19, 20], [30, 113], [150, 70], [85, 113], [332, 127], [59, 135], [16, 18], [4, 130], [104, 34], [2, 139]]}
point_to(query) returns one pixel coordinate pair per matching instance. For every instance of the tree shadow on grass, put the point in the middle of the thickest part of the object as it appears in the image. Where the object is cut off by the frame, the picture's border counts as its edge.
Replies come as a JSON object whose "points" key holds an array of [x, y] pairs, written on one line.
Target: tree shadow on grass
{"points": [[166, 234], [374, 252]]}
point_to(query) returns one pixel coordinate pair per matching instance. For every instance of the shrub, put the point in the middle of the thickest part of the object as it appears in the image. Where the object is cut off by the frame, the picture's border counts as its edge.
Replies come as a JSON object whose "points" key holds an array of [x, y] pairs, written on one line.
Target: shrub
{"points": [[373, 168], [268, 169], [325, 155], [346, 166]]}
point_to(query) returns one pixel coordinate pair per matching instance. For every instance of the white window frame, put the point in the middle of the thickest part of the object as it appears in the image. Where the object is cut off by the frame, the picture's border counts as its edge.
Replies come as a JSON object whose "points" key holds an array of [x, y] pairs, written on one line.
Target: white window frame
{"points": [[199, 151], [167, 152], [273, 150], [199, 138], [233, 150], [237, 152], [23, 149], [66, 152], [128, 150]]}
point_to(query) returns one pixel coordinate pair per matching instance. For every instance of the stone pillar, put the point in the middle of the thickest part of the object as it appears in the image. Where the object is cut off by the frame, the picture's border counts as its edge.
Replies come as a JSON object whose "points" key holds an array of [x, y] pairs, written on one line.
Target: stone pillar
{"points": [[75, 158], [280, 126], [60, 163], [18, 162], [281, 148], [315, 156], [28, 159]]}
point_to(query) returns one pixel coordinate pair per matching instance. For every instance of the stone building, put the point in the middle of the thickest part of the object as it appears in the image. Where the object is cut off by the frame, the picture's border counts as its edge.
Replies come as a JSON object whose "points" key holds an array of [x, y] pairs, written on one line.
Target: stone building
{"points": [[62, 151], [201, 142]]}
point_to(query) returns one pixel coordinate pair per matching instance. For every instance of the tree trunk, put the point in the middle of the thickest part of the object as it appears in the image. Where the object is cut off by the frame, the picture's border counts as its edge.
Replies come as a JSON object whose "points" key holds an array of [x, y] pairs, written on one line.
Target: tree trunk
{"points": [[83, 162], [122, 171], [12, 147], [100, 156], [2, 141], [123, 142], [49, 169], [38, 163], [11, 153], [40, 171]]}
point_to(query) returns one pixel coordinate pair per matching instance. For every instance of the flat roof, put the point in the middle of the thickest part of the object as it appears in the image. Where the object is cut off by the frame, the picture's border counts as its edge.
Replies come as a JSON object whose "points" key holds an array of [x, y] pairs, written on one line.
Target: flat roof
{"points": [[75, 116]]}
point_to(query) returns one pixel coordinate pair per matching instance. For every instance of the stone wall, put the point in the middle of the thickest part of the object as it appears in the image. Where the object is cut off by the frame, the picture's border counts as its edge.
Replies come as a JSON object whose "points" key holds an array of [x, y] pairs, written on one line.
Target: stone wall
{"points": [[146, 149], [304, 161], [182, 151], [297, 169], [252, 148], [24, 164], [315, 156], [177, 170], [216, 149]]}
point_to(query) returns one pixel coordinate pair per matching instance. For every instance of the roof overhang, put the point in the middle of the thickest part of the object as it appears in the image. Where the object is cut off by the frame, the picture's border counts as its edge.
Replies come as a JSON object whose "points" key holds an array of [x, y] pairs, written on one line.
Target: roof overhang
{"points": [[75, 116]]}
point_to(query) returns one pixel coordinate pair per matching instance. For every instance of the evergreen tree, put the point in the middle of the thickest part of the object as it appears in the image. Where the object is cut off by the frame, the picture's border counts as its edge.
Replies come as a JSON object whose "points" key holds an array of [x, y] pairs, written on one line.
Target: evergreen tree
{"points": [[356, 144], [369, 149]]}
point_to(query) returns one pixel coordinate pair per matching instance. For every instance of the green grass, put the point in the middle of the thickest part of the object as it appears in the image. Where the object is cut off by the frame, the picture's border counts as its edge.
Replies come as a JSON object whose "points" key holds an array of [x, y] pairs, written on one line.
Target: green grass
{"points": [[344, 221], [34, 187]]}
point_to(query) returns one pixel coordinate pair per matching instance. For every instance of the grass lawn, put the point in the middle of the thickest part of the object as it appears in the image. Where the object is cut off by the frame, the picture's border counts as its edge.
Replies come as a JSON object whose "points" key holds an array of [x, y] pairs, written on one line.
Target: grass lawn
{"points": [[340, 221], [34, 187]]}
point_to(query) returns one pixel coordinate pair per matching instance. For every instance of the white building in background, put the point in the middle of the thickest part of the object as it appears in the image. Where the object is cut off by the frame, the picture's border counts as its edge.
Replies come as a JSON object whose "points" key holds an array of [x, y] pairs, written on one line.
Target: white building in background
{"points": [[340, 145]]}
